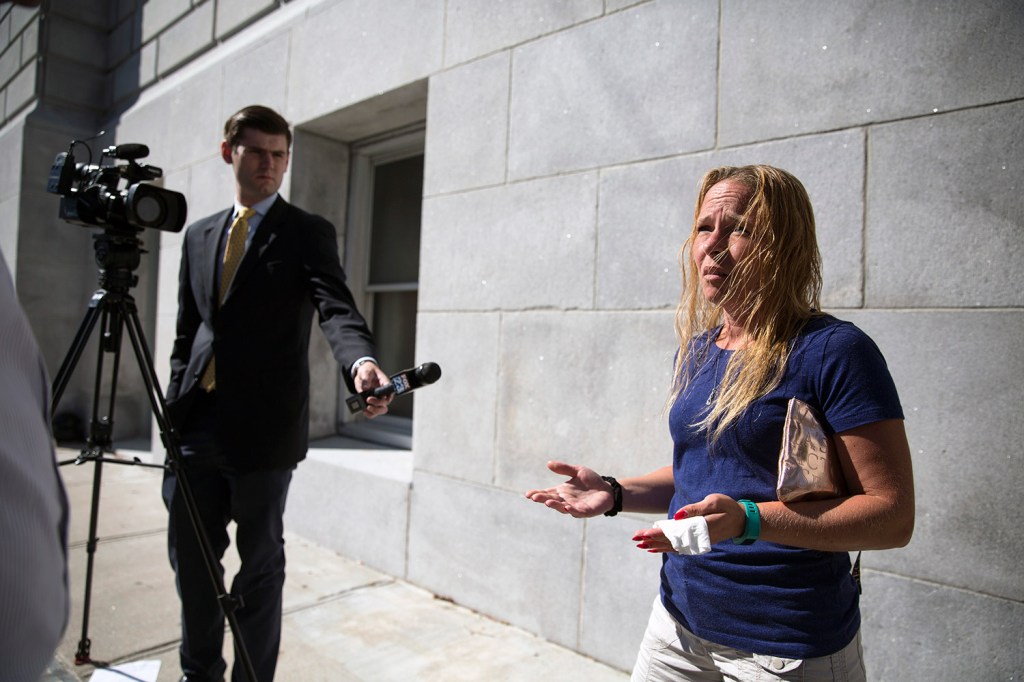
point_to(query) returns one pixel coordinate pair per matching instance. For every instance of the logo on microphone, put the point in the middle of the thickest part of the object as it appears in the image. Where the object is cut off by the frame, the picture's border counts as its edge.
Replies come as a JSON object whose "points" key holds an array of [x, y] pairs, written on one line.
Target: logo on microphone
{"points": [[401, 383]]}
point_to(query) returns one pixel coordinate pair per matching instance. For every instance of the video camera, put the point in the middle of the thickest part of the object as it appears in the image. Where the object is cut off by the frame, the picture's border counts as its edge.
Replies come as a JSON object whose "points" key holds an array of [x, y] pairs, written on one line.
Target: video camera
{"points": [[90, 194]]}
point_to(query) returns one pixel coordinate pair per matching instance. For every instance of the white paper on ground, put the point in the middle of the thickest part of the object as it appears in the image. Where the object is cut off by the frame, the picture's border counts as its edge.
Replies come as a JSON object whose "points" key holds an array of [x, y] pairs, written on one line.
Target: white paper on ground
{"points": [[137, 671], [688, 536]]}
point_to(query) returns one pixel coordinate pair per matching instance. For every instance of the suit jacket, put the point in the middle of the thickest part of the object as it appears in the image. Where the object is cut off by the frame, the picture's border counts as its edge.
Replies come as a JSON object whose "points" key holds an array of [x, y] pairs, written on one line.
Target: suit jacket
{"points": [[33, 525], [260, 333]]}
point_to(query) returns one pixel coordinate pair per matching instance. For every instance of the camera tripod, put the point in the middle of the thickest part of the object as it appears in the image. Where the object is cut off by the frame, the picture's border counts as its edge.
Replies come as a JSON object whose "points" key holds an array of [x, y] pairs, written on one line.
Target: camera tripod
{"points": [[112, 306]]}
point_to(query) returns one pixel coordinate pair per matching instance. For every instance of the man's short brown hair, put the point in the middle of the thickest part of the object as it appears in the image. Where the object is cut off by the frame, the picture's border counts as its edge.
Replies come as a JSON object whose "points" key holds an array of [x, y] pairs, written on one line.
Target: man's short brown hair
{"points": [[263, 119]]}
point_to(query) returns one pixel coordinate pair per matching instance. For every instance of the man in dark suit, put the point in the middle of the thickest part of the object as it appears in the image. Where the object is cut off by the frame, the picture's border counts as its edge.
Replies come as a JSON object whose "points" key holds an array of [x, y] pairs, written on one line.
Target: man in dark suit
{"points": [[251, 278]]}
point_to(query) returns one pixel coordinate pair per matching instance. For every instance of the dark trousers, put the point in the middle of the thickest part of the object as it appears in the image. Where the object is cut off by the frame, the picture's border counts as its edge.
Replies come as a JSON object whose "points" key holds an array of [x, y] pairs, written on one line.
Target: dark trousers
{"points": [[255, 501]]}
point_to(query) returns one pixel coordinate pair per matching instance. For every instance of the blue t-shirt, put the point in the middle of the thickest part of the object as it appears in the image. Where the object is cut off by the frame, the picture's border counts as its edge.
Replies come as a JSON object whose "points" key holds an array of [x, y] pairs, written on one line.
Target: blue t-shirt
{"points": [[768, 598]]}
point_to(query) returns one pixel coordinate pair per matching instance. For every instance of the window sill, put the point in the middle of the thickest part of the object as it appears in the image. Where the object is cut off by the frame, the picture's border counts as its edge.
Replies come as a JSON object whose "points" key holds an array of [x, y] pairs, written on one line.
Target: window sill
{"points": [[368, 458]]}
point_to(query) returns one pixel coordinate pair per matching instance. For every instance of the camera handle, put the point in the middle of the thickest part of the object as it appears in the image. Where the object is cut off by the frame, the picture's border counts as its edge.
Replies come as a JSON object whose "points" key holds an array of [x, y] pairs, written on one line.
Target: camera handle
{"points": [[115, 310]]}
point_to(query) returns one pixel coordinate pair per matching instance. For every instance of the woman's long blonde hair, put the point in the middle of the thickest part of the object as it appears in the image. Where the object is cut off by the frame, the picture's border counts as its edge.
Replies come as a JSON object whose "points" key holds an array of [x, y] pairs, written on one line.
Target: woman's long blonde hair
{"points": [[780, 277]]}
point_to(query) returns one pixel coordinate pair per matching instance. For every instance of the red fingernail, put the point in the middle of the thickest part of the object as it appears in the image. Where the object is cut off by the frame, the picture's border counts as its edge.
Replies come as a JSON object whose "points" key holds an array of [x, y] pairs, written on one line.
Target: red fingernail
{"points": [[681, 514]]}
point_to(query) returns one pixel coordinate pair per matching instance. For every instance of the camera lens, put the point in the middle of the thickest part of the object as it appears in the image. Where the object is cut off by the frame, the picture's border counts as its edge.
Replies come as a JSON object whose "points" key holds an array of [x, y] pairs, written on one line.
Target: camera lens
{"points": [[149, 209], [151, 206]]}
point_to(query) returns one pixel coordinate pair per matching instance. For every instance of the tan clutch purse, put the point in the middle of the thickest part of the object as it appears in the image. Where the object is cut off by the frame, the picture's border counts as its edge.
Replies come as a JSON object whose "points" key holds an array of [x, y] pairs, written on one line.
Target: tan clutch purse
{"points": [[808, 468]]}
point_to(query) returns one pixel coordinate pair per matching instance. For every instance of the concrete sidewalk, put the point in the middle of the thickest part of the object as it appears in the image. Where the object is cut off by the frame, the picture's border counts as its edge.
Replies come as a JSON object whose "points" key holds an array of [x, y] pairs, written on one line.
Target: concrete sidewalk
{"points": [[342, 621]]}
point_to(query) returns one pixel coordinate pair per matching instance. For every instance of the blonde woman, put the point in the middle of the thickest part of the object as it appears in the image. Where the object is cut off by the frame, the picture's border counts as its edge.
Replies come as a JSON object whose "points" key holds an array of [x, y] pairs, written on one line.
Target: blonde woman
{"points": [[773, 598]]}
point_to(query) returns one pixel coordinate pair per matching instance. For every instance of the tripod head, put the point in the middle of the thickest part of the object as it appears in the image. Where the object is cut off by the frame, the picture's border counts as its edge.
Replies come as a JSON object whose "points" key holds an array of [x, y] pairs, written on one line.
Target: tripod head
{"points": [[118, 255]]}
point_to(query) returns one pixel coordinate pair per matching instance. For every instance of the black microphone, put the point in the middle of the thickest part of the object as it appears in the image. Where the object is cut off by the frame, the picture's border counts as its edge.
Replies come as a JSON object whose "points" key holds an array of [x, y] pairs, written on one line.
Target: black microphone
{"points": [[129, 151], [405, 381]]}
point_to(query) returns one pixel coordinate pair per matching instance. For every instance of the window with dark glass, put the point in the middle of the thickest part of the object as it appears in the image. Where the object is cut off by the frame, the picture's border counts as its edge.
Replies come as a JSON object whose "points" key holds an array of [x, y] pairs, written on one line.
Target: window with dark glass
{"points": [[383, 254]]}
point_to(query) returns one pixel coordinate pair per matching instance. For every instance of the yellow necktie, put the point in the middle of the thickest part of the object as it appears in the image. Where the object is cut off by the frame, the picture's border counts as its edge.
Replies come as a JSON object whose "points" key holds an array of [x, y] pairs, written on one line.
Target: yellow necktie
{"points": [[233, 253]]}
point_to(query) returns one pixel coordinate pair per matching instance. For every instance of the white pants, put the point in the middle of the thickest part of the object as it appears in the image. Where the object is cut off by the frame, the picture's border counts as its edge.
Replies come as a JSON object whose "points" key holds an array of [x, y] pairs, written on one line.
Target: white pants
{"points": [[671, 653]]}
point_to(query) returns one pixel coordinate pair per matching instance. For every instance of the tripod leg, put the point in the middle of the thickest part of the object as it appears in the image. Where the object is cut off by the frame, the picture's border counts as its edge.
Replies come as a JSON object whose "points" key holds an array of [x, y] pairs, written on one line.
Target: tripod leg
{"points": [[63, 375], [83, 654], [99, 441], [229, 603]]}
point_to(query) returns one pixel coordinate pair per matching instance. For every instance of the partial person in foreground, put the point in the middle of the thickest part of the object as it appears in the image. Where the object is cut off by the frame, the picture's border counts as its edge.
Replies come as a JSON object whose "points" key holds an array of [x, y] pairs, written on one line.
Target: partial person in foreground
{"points": [[251, 278], [33, 525], [773, 597]]}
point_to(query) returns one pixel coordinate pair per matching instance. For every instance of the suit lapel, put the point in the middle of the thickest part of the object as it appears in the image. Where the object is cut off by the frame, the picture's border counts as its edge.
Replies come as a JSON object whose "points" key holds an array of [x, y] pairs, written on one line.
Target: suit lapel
{"points": [[214, 233]]}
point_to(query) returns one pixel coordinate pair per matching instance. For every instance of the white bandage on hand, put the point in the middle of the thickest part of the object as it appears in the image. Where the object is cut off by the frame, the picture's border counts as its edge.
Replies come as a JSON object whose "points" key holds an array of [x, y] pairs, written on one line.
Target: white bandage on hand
{"points": [[688, 536]]}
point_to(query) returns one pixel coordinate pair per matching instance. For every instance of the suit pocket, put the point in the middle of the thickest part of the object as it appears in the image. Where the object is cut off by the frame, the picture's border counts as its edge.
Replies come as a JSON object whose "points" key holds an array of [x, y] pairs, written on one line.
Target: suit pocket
{"points": [[277, 268]]}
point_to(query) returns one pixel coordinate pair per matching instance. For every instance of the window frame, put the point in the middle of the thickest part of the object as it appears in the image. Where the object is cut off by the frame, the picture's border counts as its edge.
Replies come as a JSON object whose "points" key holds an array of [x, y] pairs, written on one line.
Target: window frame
{"points": [[365, 156]]}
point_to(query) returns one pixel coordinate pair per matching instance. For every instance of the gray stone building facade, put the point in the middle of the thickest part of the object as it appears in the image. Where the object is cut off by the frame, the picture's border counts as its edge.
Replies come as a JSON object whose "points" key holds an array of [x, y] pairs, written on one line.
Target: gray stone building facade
{"points": [[556, 146]]}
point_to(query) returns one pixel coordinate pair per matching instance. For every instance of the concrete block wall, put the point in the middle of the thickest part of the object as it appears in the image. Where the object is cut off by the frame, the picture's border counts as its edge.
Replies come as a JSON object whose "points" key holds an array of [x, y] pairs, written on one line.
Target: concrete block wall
{"points": [[165, 35], [55, 88], [19, 48], [19, 38], [903, 142], [564, 141]]}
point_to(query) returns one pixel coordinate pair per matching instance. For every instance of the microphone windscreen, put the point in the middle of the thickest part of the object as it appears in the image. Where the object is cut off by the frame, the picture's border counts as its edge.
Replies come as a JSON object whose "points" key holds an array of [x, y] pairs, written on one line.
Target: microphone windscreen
{"points": [[428, 372]]}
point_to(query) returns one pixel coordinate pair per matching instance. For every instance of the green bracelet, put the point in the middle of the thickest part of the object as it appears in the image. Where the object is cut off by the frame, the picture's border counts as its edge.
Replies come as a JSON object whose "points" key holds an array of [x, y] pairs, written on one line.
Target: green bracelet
{"points": [[752, 528]]}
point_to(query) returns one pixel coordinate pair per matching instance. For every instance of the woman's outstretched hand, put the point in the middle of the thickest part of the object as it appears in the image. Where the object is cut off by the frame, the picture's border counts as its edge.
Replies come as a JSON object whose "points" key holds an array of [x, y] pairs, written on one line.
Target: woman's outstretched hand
{"points": [[585, 494], [724, 516]]}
